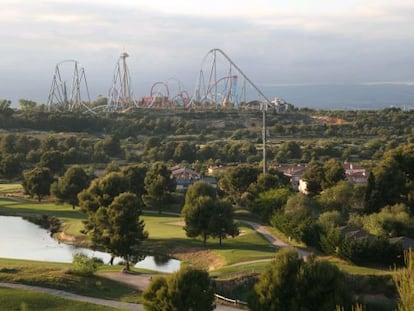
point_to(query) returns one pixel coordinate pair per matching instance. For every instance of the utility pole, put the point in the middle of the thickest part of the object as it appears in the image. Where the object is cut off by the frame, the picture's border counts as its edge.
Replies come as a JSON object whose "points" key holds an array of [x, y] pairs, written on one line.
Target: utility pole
{"points": [[264, 109]]}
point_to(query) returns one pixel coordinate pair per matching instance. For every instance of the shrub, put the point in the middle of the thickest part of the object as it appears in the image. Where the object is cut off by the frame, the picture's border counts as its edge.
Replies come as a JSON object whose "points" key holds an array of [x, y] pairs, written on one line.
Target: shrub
{"points": [[83, 265]]}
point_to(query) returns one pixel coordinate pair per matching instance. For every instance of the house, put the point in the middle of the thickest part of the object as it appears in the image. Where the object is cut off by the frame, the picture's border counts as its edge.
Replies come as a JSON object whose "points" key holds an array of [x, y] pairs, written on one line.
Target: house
{"points": [[293, 172], [352, 233], [355, 174], [184, 177], [405, 242]]}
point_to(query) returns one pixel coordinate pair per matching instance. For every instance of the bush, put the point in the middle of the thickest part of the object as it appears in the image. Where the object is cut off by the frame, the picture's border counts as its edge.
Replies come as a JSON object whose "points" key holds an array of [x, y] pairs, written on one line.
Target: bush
{"points": [[83, 265]]}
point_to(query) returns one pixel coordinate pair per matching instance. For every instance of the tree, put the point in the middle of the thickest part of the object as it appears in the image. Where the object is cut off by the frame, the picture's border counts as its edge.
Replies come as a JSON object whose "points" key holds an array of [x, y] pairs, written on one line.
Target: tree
{"points": [[5, 109], [289, 150], [112, 146], [121, 232], [11, 166], [277, 286], [186, 290], [158, 184], [291, 284], [205, 215], [102, 191], [197, 190], [135, 176], [392, 180], [67, 187], [390, 221], [404, 281], [53, 160], [113, 217], [37, 182], [341, 197], [271, 180], [236, 180], [8, 143], [197, 217], [314, 177], [222, 221], [27, 105], [321, 286], [333, 173], [185, 152], [270, 201]]}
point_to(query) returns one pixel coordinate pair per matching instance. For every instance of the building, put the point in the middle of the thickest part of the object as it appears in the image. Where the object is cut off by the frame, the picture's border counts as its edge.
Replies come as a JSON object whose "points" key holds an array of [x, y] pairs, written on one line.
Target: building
{"points": [[184, 177], [355, 174], [293, 172]]}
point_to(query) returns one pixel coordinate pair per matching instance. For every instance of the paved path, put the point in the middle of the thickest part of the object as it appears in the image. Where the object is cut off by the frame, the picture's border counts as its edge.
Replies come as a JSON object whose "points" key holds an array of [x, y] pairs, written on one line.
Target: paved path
{"points": [[71, 296], [97, 301], [261, 229]]}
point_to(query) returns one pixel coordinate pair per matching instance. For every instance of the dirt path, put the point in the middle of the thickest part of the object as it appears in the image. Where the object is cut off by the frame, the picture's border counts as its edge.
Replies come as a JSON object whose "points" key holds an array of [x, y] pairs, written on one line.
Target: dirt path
{"points": [[137, 281], [71, 296]]}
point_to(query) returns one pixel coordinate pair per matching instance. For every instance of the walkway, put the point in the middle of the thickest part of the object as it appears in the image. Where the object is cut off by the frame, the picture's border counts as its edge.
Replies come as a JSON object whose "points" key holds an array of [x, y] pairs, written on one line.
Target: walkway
{"points": [[261, 229], [97, 301], [71, 296]]}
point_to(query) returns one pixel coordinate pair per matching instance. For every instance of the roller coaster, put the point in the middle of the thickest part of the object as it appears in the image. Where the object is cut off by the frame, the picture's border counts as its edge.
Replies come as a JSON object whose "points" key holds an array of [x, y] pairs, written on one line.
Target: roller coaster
{"points": [[221, 84], [69, 90]]}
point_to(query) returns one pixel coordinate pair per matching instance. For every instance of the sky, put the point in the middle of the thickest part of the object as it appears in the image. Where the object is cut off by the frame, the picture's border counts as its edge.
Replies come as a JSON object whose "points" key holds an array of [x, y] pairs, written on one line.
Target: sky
{"points": [[277, 43]]}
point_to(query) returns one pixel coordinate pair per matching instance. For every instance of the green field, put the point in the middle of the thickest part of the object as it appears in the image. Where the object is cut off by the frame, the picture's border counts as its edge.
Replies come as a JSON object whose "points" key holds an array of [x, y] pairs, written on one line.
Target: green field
{"points": [[166, 233], [10, 188], [56, 275], [21, 300]]}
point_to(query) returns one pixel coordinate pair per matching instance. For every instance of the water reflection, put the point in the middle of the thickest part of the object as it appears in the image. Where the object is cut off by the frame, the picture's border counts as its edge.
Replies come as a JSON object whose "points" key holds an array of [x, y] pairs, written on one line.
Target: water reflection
{"points": [[20, 239]]}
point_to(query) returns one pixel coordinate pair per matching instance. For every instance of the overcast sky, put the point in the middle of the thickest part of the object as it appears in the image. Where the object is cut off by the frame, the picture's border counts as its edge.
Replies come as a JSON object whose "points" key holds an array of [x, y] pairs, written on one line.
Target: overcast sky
{"points": [[275, 42]]}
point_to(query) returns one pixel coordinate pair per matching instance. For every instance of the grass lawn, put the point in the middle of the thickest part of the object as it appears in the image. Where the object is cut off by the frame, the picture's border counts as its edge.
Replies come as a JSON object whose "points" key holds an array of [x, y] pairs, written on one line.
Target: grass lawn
{"points": [[353, 269], [55, 275], [18, 299], [166, 234], [10, 188], [230, 272]]}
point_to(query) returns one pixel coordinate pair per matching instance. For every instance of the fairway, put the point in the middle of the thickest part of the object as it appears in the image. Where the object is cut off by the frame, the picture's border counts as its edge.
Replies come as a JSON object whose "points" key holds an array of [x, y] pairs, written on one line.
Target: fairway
{"points": [[167, 233]]}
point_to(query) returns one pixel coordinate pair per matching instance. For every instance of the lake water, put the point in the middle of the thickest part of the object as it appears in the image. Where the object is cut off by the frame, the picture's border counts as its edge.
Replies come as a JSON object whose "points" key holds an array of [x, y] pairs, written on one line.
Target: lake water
{"points": [[21, 239]]}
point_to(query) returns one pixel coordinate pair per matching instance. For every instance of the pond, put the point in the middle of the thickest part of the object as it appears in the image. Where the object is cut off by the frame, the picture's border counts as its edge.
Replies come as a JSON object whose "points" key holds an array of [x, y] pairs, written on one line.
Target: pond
{"points": [[21, 239]]}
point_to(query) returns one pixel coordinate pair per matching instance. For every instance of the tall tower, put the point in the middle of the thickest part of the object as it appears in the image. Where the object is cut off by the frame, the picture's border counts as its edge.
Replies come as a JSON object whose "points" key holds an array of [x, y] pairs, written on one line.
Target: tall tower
{"points": [[120, 95]]}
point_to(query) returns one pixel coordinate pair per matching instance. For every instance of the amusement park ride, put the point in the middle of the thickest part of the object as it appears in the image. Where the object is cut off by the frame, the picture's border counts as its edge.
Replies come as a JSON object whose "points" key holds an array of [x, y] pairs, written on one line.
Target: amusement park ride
{"points": [[220, 84]]}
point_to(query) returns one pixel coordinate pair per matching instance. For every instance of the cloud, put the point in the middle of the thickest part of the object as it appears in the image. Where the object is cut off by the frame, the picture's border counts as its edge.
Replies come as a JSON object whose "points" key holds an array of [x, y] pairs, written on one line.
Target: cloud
{"points": [[288, 42]]}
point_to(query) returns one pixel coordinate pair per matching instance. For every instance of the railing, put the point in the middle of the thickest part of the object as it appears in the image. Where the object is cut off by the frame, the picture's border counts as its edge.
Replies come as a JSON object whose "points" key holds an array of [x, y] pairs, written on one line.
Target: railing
{"points": [[234, 302]]}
